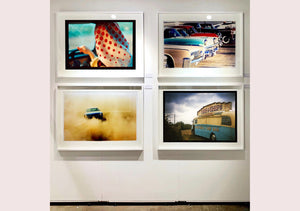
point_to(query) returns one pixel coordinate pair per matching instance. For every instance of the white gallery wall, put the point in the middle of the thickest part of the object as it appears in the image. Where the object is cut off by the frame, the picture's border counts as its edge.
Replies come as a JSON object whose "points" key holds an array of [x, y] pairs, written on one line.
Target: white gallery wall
{"points": [[150, 175]]}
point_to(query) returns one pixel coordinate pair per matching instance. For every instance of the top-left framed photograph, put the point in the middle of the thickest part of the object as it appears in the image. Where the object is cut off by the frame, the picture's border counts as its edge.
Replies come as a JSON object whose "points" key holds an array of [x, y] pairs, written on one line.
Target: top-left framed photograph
{"points": [[99, 44]]}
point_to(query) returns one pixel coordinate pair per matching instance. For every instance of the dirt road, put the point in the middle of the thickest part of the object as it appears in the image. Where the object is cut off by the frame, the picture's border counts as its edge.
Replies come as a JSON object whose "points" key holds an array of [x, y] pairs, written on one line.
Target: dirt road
{"points": [[188, 136]]}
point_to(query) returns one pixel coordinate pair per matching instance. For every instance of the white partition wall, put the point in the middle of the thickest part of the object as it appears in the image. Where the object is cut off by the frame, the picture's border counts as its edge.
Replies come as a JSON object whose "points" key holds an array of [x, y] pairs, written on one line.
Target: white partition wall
{"points": [[150, 175]]}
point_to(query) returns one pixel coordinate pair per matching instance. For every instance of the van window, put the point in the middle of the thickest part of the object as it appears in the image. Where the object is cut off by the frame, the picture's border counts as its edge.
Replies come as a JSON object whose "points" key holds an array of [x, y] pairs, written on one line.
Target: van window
{"points": [[202, 121], [213, 121], [226, 120]]}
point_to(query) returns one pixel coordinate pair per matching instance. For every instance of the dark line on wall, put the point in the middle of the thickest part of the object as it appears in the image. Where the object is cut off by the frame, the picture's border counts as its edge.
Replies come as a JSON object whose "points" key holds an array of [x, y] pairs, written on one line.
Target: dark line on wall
{"points": [[176, 203]]}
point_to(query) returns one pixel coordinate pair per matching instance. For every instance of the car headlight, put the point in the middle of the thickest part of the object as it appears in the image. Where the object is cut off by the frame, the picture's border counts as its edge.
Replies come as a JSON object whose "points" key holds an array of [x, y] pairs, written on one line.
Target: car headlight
{"points": [[195, 54], [186, 62]]}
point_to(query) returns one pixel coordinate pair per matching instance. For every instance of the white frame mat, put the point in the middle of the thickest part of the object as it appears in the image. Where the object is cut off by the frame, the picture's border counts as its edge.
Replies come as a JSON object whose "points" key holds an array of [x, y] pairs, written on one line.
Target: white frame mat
{"points": [[98, 145], [61, 71], [239, 145], [236, 71]]}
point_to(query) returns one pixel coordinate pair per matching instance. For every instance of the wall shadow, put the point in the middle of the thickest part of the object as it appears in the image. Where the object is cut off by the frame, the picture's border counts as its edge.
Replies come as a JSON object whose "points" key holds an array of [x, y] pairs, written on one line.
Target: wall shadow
{"points": [[100, 155], [201, 155]]}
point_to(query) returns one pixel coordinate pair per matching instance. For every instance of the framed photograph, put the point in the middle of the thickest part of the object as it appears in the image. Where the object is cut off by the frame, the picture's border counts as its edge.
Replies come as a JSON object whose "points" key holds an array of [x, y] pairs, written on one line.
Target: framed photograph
{"points": [[98, 44], [201, 118], [200, 44], [99, 118]]}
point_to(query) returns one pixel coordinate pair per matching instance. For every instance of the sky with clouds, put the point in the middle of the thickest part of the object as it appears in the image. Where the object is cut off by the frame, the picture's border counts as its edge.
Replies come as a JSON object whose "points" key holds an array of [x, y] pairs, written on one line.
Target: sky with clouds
{"points": [[186, 104]]}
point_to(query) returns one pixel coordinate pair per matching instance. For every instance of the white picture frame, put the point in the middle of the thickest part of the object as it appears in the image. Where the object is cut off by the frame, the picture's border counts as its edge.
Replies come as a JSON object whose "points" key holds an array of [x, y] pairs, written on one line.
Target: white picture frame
{"points": [[206, 67], [114, 93], [207, 145], [137, 68]]}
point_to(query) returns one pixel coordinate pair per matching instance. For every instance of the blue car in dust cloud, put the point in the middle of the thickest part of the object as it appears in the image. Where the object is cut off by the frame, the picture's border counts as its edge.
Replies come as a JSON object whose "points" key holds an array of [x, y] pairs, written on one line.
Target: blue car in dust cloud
{"points": [[93, 112]]}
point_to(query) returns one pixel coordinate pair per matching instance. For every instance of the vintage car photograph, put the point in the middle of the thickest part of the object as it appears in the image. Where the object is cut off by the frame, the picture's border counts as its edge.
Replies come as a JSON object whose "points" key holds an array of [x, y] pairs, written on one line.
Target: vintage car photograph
{"points": [[199, 116], [100, 116], [211, 40], [183, 56], [217, 37], [100, 44]]}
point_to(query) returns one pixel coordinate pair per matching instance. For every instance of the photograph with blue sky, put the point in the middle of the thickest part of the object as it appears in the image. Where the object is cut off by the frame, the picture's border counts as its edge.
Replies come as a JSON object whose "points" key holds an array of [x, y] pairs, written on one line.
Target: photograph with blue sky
{"points": [[100, 44], [185, 104], [83, 34]]}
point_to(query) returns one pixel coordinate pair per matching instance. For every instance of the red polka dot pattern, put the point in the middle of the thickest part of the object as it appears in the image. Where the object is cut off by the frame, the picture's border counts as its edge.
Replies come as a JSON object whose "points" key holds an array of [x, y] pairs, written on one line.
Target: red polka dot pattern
{"points": [[116, 46]]}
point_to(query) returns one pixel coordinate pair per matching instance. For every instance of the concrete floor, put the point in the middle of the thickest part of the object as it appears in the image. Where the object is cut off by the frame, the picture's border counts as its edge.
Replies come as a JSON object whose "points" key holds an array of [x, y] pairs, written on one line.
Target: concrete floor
{"points": [[153, 208]]}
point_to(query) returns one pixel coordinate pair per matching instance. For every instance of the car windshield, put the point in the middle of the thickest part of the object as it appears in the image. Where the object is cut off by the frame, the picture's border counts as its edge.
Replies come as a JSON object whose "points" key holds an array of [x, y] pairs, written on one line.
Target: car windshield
{"points": [[81, 34], [192, 30], [182, 32], [92, 109], [174, 33], [206, 26]]}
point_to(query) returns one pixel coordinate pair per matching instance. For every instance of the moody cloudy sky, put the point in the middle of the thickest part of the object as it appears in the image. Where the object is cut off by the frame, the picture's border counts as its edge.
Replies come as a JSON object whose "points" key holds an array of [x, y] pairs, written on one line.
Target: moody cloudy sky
{"points": [[186, 104]]}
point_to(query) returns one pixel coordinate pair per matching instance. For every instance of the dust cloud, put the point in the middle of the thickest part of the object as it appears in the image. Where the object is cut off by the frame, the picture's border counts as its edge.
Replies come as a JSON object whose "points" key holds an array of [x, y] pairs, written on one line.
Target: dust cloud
{"points": [[119, 112]]}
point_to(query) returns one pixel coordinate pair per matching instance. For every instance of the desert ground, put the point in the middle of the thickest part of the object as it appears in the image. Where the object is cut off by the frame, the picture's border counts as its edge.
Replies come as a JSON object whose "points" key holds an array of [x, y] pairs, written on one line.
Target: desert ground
{"points": [[188, 136], [119, 111]]}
